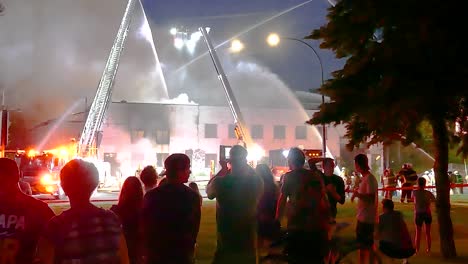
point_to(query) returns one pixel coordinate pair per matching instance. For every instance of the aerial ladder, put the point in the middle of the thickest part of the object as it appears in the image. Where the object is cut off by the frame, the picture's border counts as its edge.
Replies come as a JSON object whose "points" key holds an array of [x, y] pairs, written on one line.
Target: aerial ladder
{"points": [[88, 143], [241, 131]]}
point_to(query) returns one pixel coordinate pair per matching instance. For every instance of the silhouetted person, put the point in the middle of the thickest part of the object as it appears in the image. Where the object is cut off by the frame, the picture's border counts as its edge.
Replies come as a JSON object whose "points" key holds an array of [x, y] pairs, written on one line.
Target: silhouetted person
{"points": [[194, 186], [410, 177], [237, 195], [458, 180], [224, 168], [171, 216], [308, 211], [149, 178], [22, 218], [129, 210], [389, 180], [25, 187], [366, 209], [422, 213], [268, 227], [335, 186], [84, 233], [395, 239]]}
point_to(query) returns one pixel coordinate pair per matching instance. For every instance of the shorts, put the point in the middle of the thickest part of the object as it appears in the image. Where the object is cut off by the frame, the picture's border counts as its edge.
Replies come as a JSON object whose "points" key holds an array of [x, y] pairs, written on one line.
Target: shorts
{"points": [[392, 251], [421, 218], [365, 235]]}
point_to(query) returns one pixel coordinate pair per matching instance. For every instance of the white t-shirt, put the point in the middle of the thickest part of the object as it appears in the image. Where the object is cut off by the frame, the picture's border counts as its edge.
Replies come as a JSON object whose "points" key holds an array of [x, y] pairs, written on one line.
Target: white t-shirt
{"points": [[367, 211]]}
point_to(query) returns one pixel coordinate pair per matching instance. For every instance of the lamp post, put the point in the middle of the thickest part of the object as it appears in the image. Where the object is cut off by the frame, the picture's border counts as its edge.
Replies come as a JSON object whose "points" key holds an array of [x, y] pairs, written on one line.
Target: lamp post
{"points": [[273, 40]]}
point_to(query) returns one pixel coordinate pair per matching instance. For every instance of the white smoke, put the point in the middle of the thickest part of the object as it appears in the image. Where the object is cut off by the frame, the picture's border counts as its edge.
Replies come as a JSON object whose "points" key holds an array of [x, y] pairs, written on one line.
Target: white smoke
{"points": [[182, 98], [52, 53]]}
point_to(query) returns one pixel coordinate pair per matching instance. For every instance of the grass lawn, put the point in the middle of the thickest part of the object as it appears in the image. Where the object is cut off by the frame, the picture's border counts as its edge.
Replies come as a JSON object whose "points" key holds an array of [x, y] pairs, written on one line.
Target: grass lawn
{"points": [[207, 235]]}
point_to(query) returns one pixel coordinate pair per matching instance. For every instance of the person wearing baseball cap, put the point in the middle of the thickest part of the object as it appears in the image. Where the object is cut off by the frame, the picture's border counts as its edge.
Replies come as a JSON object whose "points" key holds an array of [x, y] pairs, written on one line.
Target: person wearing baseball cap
{"points": [[171, 215], [24, 217]]}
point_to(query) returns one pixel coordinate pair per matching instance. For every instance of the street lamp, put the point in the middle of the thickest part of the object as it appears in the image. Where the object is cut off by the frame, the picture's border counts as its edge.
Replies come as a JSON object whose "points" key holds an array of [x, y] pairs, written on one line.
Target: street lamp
{"points": [[273, 40], [236, 46]]}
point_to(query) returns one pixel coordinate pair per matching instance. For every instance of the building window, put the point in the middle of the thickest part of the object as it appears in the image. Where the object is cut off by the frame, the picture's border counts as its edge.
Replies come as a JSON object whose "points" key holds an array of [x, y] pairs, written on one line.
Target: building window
{"points": [[209, 158], [257, 131], [162, 137], [279, 132], [137, 135], [301, 132], [211, 131], [160, 158], [232, 132]]}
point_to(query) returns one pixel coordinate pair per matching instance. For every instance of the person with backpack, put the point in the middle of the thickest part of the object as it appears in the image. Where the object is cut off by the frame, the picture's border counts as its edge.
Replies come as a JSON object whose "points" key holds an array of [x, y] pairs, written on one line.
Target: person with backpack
{"points": [[84, 233], [308, 214]]}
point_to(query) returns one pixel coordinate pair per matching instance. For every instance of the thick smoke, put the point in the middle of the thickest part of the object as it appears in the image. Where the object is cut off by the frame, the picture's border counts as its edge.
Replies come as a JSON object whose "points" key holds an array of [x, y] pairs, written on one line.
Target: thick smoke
{"points": [[52, 54]]}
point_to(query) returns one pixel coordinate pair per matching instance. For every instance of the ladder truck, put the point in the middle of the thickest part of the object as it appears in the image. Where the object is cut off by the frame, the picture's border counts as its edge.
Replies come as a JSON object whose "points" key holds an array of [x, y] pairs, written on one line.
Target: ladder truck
{"points": [[90, 138], [241, 131]]}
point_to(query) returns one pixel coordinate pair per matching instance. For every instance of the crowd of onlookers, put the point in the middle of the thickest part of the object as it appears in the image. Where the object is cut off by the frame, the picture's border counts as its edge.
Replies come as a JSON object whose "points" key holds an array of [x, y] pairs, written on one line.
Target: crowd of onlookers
{"points": [[158, 220]]}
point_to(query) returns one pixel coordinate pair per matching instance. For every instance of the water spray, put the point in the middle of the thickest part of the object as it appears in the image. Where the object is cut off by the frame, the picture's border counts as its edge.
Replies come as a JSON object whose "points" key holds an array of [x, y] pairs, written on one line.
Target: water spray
{"points": [[146, 32], [57, 124], [244, 32]]}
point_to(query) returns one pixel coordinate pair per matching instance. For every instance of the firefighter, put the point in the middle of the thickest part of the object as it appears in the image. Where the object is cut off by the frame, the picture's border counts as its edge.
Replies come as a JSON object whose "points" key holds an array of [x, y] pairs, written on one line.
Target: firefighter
{"points": [[458, 180], [409, 178], [389, 181]]}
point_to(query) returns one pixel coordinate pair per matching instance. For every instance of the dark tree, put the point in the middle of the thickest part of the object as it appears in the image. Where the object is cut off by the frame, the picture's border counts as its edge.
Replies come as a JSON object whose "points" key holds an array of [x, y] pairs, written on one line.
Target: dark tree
{"points": [[406, 62], [19, 136]]}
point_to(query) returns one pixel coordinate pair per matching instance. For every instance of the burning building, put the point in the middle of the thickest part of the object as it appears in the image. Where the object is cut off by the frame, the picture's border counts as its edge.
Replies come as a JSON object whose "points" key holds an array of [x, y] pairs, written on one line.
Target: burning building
{"points": [[140, 134]]}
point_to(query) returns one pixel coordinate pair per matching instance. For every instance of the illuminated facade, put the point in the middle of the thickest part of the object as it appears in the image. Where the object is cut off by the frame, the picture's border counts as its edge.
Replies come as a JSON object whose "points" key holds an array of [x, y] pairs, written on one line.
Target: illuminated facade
{"points": [[138, 134]]}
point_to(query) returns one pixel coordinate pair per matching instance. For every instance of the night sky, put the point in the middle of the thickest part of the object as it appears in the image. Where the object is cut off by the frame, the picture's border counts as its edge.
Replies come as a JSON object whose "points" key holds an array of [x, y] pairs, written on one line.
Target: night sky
{"points": [[54, 52], [292, 61]]}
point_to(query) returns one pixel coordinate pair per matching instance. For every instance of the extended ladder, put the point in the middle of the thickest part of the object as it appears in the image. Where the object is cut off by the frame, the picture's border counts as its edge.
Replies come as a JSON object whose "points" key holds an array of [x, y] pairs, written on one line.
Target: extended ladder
{"points": [[101, 102]]}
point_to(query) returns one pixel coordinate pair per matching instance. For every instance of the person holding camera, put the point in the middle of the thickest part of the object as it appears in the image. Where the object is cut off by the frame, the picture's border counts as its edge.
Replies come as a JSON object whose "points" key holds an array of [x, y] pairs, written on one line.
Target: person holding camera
{"points": [[237, 192]]}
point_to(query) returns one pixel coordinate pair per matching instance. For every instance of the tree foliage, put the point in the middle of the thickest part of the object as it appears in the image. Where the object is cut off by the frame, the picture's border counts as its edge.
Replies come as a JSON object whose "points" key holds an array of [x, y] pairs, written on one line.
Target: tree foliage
{"points": [[18, 132], [406, 62]]}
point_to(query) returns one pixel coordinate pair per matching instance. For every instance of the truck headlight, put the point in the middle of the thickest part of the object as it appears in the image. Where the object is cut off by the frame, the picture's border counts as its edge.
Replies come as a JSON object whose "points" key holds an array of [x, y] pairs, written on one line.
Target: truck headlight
{"points": [[46, 179], [50, 189]]}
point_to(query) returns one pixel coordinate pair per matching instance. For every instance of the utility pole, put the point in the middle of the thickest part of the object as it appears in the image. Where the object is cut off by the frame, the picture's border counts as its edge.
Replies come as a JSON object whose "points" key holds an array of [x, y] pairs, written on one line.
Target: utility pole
{"points": [[4, 129]]}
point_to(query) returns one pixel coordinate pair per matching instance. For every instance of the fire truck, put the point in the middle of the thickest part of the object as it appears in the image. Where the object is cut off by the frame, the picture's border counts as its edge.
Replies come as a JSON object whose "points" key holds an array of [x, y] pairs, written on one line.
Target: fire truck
{"points": [[41, 171]]}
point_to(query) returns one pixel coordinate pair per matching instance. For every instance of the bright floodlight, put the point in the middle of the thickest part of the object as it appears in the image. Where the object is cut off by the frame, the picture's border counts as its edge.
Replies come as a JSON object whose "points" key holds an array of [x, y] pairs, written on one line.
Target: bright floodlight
{"points": [[273, 39], [173, 31], [237, 46], [255, 153], [178, 43]]}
